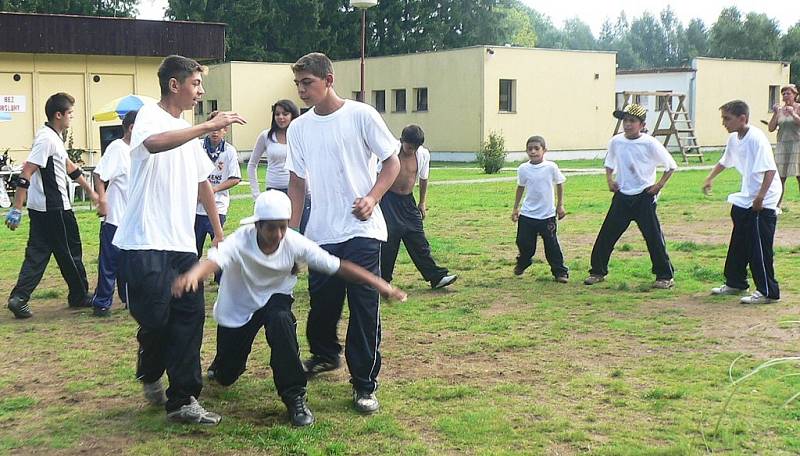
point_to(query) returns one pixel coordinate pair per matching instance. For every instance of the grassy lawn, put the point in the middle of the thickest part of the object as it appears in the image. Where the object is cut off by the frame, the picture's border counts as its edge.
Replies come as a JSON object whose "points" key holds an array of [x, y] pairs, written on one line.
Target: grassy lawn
{"points": [[496, 364]]}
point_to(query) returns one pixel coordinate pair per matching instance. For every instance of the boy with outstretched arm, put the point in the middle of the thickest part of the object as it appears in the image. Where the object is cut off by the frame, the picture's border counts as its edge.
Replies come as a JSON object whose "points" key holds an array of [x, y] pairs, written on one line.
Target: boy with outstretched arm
{"points": [[169, 174], [753, 207], [404, 216], [259, 261], [43, 182], [631, 175]]}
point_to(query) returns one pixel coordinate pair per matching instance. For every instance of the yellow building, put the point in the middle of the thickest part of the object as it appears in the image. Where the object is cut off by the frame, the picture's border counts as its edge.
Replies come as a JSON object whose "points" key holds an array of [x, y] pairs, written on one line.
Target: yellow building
{"points": [[106, 58]]}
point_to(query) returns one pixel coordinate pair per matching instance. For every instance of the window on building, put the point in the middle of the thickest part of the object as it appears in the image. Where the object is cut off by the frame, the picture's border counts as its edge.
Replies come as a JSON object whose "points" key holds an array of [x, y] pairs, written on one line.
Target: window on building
{"points": [[619, 100], [198, 109], [379, 100], [212, 105], [421, 97], [399, 96], [663, 101], [774, 96], [507, 94]]}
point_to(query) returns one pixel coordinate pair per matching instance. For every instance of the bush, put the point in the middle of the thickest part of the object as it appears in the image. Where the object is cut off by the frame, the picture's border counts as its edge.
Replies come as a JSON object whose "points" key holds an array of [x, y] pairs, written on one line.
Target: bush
{"points": [[492, 154], [76, 155]]}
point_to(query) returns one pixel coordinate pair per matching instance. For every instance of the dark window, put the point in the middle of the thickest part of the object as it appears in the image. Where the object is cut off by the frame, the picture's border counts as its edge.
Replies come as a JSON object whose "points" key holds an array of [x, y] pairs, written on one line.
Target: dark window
{"points": [[507, 87], [356, 96], [213, 105], [421, 95], [198, 109], [663, 101], [774, 96], [379, 100], [399, 100]]}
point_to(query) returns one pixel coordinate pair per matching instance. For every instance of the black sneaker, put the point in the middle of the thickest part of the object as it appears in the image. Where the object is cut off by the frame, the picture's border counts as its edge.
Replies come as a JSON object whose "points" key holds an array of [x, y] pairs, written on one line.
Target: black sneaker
{"points": [[299, 413], [102, 312], [317, 365], [85, 302], [19, 307]]}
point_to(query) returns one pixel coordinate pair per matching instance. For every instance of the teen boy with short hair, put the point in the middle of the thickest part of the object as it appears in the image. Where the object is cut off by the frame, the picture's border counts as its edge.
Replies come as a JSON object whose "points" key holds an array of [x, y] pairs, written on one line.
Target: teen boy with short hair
{"points": [[256, 292], [753, 207], [54, 229], [169, 174], [114, 170], [404, 216], [631, 174], [333, 145]]}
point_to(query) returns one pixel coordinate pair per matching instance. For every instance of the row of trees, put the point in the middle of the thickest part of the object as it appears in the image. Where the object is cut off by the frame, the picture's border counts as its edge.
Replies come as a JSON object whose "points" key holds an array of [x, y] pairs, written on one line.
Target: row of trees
{"points": [[282, 30]]}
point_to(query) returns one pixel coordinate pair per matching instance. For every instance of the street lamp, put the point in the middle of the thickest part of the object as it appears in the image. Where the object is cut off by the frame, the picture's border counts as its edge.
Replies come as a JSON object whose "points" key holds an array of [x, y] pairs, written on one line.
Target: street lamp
{"points": [[363, 5]]}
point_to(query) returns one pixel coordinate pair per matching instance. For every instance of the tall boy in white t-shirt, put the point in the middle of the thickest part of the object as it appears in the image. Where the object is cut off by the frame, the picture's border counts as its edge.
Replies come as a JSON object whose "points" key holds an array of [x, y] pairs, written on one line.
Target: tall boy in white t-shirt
{"points": [[259, 261], [631, 175], [169, 174], [334, 145], [539, 179], [226, 175], [404, 216], [111, 181], [753, 207], [44, 185]]}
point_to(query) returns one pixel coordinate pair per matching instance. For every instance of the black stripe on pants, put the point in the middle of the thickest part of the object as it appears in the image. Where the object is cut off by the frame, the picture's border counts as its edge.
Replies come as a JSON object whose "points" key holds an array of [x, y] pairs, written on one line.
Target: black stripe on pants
{"points": [[528, 229], [362, 347], [234, 346], [404, 223], [53, 233], [624, 209], [751, 244], [170, 329]]}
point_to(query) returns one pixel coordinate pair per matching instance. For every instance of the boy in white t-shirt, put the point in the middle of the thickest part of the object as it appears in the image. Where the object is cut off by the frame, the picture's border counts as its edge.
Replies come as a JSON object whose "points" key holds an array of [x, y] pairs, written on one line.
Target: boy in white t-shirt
{"points": [[334, 145], [44, 183], [541, 179], [169, 174], [111, 181], [753, 207], [404, 216], [259, 261], [226, 175], [631, 175]]}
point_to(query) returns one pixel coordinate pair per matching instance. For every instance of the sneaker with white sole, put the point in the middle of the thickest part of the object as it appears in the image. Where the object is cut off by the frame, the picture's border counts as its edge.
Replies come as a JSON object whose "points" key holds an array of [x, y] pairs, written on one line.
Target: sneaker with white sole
{"points": [[364, 402], [444, 281], [154, 393], [593, 279], [664, 284], [757, 298], [19, 307], [194, 413], [726, 290]]}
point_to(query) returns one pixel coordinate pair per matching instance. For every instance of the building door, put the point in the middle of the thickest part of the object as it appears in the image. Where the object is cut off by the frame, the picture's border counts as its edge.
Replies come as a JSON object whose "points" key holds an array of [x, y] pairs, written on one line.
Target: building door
{"points": [[73, 84], [16, 134]]}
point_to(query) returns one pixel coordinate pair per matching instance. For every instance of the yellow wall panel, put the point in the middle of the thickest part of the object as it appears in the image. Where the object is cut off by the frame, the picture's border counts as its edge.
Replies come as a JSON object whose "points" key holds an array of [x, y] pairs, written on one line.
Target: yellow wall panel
{"points": [[73, 84], [17, 135]]}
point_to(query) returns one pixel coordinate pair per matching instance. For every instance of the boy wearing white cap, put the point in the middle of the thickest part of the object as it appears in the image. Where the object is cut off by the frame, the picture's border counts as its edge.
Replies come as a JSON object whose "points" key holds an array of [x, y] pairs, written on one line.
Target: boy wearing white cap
{"points": [[256, 291]]}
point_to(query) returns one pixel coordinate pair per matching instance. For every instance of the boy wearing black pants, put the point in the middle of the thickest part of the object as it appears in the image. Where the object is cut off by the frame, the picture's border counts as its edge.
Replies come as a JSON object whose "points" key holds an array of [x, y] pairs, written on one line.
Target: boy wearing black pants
{"points": [[334, 145], [54, 229], [632, 158], [404, 216], [169, 174], [753, 207]]}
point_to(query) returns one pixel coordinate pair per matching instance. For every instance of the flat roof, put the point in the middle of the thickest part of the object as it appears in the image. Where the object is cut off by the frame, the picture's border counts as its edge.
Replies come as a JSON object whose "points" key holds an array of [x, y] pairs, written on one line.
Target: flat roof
{"points": [[483, 46], [658, 70], [67, 34]]}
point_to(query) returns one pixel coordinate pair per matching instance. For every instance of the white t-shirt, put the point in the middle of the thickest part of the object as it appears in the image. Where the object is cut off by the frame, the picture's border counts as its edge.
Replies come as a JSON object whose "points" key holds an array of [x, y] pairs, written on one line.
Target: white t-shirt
{"points": [[423, 162], [163, 188], [539, 182], [49, 189], [335, 152], [251, 277], [752, 157], [634, 162], [226, 167], [114, 168]]}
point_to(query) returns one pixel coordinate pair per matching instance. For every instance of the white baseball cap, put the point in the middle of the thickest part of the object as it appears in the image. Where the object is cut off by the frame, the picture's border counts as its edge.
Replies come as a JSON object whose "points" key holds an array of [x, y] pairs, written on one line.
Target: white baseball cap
{"points": [[270, 205]]}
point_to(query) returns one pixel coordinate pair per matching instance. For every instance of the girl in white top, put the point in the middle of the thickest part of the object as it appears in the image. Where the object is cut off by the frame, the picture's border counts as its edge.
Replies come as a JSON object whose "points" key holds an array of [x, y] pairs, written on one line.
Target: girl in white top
{"points": [[273, 143]]}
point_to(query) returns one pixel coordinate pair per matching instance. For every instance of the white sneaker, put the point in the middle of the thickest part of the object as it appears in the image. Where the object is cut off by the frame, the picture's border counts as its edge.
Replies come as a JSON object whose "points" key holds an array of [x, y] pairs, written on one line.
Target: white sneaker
{"points": [[757, 298], [726, 290], [445, 281], [365, 403], [194, 413]]}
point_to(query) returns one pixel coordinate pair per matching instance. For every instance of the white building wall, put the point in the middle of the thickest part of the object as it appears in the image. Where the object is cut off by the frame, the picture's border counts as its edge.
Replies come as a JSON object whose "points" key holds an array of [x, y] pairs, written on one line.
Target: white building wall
{"points": [[677, 82]]}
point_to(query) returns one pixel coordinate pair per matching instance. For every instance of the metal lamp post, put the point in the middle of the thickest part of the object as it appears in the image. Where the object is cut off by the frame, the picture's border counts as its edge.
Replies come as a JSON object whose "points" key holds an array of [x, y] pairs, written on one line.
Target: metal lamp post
{"points": [[363, 5]]}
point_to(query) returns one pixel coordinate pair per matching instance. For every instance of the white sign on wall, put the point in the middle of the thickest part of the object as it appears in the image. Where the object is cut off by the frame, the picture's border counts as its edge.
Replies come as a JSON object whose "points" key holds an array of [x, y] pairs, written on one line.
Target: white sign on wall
{"points": [[13, 103]]}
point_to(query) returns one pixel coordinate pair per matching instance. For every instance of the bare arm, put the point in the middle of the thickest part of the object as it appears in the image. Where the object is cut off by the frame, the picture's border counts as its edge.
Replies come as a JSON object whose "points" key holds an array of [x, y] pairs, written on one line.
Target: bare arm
{"points": [[423, 194], [252, 165], [773, 122], [758, 202], [655, 188], [227, 184], [356, 274], [191, 280], [710, 178], [171, 139], [363, 207], [297, 195], [517, 199], [100, 189], [612, 184], [21, 194], [560, 212], [206, 196], [82, 182]]}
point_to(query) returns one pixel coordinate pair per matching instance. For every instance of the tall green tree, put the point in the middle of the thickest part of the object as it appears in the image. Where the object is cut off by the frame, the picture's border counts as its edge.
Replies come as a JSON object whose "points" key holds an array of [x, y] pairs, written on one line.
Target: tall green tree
{"points": [[790, 51], [616, 37], [674, 41], [696, 39], [647, 40], [578, 35], [105, 8]]}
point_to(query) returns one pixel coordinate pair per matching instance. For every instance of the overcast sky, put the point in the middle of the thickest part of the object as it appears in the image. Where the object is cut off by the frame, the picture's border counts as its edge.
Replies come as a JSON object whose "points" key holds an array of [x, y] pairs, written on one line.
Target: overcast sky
{"points": [[594, 12]]}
